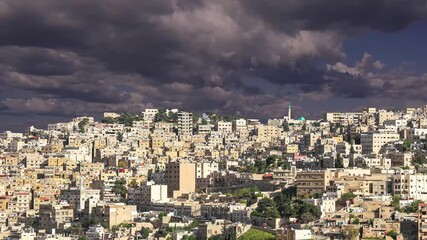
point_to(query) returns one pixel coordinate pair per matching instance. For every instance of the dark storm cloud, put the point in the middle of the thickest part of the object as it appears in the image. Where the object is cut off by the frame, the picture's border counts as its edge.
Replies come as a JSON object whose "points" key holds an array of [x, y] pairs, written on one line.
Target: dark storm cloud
{"points": [[381, 15], [89, 56], [60, 73]]}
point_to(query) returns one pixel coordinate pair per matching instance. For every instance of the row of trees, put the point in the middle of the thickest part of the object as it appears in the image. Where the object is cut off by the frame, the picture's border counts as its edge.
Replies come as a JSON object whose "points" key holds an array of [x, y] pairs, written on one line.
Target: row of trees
{"points": [[126, 118], [261, 166], [286, 205], [248, 194]]}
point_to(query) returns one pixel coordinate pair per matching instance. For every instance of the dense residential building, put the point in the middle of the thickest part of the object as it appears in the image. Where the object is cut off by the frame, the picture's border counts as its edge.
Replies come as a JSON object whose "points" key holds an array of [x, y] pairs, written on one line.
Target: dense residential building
{"points": [[180, 178], [185, 124], [313, 182], [164, 174], [372, 142], [344, 117]]}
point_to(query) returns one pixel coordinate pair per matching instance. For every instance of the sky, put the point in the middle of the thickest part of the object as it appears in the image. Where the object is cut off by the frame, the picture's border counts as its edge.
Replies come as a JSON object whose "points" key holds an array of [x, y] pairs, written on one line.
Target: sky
{"points": [[61, 59]]}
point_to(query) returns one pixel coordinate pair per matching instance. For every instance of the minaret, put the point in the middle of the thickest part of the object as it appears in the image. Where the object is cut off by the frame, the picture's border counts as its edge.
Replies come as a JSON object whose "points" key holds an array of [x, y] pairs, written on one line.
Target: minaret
{"points": [[289, 112]]}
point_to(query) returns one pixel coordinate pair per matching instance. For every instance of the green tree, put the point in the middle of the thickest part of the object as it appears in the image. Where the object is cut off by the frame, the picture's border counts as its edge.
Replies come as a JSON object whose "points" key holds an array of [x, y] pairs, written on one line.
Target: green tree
{"points": [[83, 125], [144, 232], [252, 234], [271, 161], [36, 223], [266, 208], [161, 116], [128, 118], [133, 184], [119, 188], [393, 234], [228, 233], [122, 164], [356, 221], [419, 158], [260, 166], [196, 117], [395, 203], [412, 207], [285, 126], [406, 146], [188, 237], [119, 136], [339, 161], [245, 192], [348, 196], [108, 120], [307, 212]]}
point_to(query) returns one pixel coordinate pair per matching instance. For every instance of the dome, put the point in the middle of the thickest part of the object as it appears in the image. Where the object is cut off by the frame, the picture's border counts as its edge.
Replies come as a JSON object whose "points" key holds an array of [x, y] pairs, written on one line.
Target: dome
{"points": [[302, 118]]}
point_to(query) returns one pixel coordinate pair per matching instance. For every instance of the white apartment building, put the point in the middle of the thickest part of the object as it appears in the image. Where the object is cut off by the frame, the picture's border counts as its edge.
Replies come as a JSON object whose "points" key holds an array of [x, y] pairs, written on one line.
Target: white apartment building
{"points": [[147, 194], [16, 145], [149, 114], [413, 186], [77, 197], [275, 122], [325, 203], [10, 135], [204, 169], [384, 115], [111, 115], [398, 123], [239, 125], [268, 133], [225, 127], [372, 142], [372, 161], [344, 117], [416, 134], [204, 128]]}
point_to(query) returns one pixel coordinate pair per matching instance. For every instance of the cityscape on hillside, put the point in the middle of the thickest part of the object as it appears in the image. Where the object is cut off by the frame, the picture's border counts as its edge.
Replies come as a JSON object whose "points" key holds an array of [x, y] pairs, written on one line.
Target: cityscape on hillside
{"points": [[213, 120], [171, 174]]}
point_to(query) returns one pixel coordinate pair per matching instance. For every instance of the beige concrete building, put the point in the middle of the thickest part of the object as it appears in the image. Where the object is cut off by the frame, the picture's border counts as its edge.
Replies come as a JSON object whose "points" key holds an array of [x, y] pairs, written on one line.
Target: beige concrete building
{"points": [[373, 142], [385, 116], [180, 178], [268, 133], [313, 182], [55, 216], [114, 214], [344, 117]]}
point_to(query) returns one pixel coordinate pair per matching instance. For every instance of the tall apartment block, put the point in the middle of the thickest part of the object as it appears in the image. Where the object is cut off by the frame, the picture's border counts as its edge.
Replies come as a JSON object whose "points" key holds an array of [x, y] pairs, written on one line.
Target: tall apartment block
{"points": [[185, 124], [180, 178]]}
